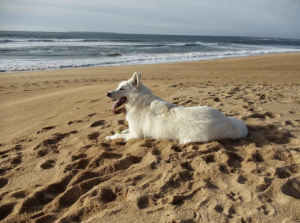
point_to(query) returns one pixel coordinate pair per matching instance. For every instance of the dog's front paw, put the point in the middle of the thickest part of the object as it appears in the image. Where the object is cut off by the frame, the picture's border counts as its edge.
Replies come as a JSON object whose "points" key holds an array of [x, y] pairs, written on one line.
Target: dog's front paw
{"points": [[125, 131], [109, 137]]}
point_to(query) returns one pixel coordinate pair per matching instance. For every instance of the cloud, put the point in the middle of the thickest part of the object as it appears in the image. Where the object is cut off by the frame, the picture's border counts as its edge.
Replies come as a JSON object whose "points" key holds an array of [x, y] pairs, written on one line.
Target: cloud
{"points": [[276, 18]]}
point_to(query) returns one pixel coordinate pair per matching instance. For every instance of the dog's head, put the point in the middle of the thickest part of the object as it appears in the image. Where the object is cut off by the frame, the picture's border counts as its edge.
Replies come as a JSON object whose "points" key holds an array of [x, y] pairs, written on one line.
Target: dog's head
{"points": [[124, 90]]}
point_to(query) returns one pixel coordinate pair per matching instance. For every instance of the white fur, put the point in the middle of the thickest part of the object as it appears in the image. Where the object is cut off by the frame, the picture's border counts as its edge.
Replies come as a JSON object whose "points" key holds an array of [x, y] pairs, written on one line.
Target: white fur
{"points": [[149, 116]]}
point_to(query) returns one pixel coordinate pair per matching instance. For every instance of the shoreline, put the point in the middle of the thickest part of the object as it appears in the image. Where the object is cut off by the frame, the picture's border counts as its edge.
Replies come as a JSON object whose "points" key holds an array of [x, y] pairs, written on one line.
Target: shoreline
{"points": [[55, 164], [206, 64], [158, 63]]}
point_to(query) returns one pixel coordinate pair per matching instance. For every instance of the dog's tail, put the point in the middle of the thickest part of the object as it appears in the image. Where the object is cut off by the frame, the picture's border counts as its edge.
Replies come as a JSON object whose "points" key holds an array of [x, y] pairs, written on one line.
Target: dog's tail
{"points": [[240, 127]]}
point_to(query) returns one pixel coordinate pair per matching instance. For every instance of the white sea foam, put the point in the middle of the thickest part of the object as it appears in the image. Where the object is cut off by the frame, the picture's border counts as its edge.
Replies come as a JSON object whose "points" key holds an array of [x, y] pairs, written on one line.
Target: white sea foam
{"points": [[12, 65], [21, 44], [29, 43]]}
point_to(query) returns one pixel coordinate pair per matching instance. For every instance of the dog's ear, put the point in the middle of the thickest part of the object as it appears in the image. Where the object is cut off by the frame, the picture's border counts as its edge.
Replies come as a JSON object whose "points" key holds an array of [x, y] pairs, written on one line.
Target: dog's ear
{"points": [[136, 79]]}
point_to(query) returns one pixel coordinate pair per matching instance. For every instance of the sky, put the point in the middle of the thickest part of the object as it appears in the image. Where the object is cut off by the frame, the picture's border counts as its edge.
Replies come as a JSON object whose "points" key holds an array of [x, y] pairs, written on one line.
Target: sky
{"points": [[264, 18]]}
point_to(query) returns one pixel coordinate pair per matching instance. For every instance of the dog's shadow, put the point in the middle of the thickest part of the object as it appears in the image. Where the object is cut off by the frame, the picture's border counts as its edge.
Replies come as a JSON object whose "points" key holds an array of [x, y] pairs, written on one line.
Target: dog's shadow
{"points": [[266, 134]]}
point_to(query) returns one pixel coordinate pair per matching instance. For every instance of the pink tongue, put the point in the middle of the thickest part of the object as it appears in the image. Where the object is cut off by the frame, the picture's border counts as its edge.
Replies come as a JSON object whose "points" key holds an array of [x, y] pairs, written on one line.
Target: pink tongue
{"points": [[115, 105], [118, 103]]}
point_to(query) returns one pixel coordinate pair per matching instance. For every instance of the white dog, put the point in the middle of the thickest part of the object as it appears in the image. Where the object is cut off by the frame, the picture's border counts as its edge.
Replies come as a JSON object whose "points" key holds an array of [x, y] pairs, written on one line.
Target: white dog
{"points": [[149, 116]]}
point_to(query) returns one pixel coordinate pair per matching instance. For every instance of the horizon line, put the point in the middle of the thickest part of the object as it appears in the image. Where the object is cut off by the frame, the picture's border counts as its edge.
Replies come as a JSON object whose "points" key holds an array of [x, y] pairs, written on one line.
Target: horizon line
{"points": [[103, 32]]}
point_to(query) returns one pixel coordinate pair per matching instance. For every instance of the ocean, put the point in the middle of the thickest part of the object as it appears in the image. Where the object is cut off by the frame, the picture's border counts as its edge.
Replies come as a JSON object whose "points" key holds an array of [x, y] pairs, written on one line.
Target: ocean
{"points": [[26, 51]]}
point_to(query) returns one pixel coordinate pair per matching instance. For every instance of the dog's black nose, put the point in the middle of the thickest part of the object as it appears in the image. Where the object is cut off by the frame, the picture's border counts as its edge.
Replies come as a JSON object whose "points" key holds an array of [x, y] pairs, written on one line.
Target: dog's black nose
{"points": [[108, 94]]}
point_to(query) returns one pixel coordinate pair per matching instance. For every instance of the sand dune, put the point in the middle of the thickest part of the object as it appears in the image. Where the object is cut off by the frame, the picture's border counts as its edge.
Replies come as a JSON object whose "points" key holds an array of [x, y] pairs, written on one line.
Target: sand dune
{"points": [[56, 166]]}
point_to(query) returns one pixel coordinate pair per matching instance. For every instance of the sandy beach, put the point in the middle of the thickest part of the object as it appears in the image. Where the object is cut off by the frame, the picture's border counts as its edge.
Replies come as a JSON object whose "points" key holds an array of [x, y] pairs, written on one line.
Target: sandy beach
{"points": [[56, 166]]}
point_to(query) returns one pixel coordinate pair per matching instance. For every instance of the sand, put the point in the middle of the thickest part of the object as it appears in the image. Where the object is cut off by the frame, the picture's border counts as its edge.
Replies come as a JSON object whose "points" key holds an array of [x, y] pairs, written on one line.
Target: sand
{"points": [[56, 165]]}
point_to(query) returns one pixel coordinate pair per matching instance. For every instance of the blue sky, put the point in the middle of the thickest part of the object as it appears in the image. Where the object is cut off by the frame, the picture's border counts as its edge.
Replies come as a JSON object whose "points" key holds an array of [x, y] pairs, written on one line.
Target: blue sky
{"points": [[268, 18]]}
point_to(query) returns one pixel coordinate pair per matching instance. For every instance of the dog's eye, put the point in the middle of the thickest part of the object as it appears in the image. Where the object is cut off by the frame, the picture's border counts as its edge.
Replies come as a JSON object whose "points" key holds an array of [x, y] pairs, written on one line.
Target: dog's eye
{"points": [[122, 89]]}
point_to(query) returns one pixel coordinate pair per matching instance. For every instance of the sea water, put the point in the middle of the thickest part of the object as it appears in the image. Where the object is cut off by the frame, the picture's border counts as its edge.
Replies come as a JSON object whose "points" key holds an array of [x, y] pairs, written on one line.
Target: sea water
{"points": [[25, 51]]}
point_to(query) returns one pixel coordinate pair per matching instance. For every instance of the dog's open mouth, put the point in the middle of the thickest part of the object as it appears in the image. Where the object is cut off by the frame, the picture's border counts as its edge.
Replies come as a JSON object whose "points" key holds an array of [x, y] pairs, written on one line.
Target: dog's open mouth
{"points": [[118, 103]]}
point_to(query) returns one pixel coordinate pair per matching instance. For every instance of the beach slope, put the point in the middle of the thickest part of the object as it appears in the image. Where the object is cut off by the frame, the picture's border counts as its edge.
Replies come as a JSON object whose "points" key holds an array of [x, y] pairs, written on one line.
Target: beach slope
{"points": [[55, 164]]}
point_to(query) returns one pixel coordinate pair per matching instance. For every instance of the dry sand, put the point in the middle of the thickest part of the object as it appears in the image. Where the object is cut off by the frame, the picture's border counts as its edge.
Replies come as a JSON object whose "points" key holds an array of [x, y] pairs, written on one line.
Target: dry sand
{"points": [[55, 164]]}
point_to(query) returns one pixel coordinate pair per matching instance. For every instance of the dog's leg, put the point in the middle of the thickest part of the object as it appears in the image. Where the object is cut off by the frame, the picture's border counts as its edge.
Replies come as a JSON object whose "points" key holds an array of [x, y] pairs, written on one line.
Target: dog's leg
{"points": [[125, 136], [125, 131]]}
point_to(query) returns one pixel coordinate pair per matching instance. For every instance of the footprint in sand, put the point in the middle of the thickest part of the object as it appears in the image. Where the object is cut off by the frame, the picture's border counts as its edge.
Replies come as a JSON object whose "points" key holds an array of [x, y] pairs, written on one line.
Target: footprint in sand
{"points": [[50, 145], [266, 209], [4, 170], [77, 164], [262, 187], [264, 134], [48, 164], [3, 182], [228, 210], [19, 194], [44, 152], [102, 158], [284, 172], [90, 115], [78, 156], [107, 195], [55, 139], [46, 129], [262, 115], [16, 148], [241, 179], [143, 202], [73, 122], [231, 211], [93, 101], [3, 154], [93, 135], [234, 197], [6, 209], [97, 123], [39, 198], [292, 188], [218, 208], [16, 160]]}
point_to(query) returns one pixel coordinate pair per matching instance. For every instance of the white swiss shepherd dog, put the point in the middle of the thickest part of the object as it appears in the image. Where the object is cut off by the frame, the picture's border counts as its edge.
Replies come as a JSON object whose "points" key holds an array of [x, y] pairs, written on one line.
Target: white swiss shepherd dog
{"points": [[148, 116]]}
